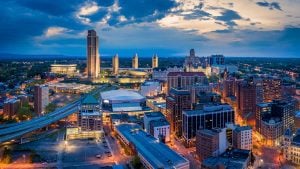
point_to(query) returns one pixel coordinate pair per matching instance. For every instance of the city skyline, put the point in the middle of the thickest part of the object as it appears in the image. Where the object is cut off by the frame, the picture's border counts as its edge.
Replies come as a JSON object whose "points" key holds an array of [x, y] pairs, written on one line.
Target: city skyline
{"points": [[168, 28]]}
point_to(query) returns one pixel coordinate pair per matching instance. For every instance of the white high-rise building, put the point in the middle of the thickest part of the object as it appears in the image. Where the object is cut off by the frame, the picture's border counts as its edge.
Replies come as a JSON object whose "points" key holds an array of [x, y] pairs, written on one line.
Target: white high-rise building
{"points": [[155, 61], [93, 60], [115, 64], [135, 61]]}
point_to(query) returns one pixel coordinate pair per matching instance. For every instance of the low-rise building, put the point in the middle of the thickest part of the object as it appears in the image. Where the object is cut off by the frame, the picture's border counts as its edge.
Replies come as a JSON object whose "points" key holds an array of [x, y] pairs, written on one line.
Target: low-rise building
{"points": [[150, 88], [231, 159], [153, 154], [211, 142], [242, 137]]}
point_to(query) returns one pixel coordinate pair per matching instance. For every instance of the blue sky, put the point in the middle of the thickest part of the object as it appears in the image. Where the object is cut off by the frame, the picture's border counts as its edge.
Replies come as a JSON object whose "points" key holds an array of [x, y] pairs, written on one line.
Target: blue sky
{"points": [[260, 28]]}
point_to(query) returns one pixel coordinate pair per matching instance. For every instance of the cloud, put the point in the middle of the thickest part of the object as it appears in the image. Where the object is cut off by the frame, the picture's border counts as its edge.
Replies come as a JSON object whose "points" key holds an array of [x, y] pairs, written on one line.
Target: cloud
{"points": [[270, 5], [54, 31]]}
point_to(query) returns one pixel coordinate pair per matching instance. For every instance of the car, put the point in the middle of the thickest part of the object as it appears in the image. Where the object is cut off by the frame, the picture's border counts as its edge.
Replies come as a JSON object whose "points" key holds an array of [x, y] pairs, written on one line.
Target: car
{"points": [[107, 152], [109, 155], [98, 156]]}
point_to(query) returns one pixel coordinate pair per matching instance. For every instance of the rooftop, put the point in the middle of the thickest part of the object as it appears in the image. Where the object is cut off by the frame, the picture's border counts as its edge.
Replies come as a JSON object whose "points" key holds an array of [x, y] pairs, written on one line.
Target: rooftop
{"points": [[89, 99], [207, 109], [242, 128], [186, 74], [122, 94], [154, 114], [156, 153], [158, 123]]}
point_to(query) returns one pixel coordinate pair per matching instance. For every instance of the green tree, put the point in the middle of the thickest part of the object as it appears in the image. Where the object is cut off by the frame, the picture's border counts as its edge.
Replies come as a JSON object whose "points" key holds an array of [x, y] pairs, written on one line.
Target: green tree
{"points": [[25, 112], [50, 107], [136, 162]]}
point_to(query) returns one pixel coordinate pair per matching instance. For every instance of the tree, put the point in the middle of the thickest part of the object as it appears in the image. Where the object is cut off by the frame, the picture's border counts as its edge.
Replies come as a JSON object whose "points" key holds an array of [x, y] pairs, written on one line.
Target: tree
{"points": [[25, 112], [50, 107], [6, 156], [136, 162]]}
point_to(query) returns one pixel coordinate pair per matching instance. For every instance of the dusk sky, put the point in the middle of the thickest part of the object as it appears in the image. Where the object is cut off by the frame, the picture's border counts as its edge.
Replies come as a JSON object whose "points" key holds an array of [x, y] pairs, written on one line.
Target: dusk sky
{"points": [[167, 27]]}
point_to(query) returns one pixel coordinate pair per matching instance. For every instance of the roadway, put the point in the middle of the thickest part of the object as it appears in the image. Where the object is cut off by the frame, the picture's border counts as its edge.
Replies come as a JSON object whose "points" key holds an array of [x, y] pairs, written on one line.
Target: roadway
{"points": [[19, 129]]}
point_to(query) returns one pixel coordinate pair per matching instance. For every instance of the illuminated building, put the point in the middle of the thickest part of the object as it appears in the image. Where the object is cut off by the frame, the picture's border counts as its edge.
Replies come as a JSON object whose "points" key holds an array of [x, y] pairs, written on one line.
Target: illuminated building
{"points": [[247, 99], [177, 101], [153, 154], [156, 124], [41, 98], [273, 118], [291, 147], [242, 137], [210, 143], [162, 73], [115, 64], [155, 61], [211, 116], [67, 69], [89, 116], [271, 88], [135, 61], [93, 60], [11, 107], [231, 159], [150, 88], [185, 80]]}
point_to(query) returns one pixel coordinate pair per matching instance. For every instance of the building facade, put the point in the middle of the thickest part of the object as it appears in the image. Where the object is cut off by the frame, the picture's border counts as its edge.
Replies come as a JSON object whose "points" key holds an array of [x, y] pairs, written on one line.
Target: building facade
{"points": [[155, 61], [135, 61], [115, 64], [210, 143], [211, 116], [41, 98], [177, 101], [93, 60]]}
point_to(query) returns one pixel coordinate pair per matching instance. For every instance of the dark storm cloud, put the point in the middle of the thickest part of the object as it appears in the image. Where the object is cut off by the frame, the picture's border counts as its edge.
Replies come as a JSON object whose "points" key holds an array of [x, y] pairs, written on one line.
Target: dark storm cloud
{"points": [[228, 16], [270, 5]]}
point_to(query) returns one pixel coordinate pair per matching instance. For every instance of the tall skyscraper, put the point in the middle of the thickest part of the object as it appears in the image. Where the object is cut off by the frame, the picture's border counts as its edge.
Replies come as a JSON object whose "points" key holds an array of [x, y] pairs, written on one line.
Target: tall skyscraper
{"points": [[41, 98], [155, 61], [135, 61], [93, 61], [115, 64]]}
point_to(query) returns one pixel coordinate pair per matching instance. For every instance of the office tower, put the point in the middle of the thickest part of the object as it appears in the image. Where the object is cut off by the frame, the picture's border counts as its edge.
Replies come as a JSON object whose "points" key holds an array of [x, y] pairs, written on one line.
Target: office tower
{"points": [[41, 98], [273, 118], [216, 60], [177, 101], [242, 137], [11, 107], [247, 99], [228, 87], [89, 116], [185, 80], [209, 117], [271, 88], [135, 61], [93, 60], [210, 143], [115, 64], [155, 61]]}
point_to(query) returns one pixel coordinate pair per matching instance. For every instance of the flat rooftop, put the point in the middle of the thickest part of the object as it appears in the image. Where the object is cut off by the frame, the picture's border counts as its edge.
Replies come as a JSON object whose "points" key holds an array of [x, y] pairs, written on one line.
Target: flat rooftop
{"points": [[121, 95], [208, 110], [156, 153]]}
